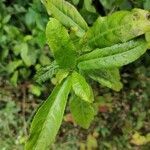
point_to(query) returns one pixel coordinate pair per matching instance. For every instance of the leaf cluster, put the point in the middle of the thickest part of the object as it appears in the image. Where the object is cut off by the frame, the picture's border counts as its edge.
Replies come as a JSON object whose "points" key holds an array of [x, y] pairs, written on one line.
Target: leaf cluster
{"points": [[83, 52]]}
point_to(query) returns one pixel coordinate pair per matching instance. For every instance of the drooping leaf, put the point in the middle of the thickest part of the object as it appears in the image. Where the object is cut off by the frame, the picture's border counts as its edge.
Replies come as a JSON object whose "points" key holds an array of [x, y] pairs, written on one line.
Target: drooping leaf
{"points": [[119, 27], [66, 14], [48, 118], [60, 44], [116, 60], [82, 111], [107, 51], [81, 87], [107, 77]]}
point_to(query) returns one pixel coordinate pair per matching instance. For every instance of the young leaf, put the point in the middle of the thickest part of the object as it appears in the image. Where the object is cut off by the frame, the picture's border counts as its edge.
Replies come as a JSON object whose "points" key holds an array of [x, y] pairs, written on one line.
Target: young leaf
{"points": [[116, 60], [83, 112], [46, 73], [81, 87], [107, 51], [48, 118], [119, 27], [66, 14], [107, 77], [61, 75], [61, 44]]}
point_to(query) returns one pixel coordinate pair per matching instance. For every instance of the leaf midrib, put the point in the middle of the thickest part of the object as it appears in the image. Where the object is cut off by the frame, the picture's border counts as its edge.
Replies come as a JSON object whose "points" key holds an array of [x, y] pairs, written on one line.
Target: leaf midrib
{"points": [[46, 120], [76, 23]]}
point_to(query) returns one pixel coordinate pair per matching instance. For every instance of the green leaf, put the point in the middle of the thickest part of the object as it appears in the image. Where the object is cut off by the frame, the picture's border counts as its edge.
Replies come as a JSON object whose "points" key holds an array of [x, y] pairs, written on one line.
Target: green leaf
{"points": [[116, 60], [61, 75], [107, 51], [119, 27], [67, 14], [81, 87], [107, 4], [28, 54], [147, 36], [83, 112], [6, 19], [147, 4], [35, 89], [14, 78], [107, 77], [75, 2], [30, 18], [25, 54], [48, 118], [47, 72], [88, 6], [44, 60], [12, 66], [61, 44]]}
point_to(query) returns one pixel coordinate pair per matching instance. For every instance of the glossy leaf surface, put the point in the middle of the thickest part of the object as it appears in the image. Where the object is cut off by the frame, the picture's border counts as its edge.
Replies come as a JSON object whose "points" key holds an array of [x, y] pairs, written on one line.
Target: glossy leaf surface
{"points": [[116, 60], [108, 51], [81, 87], [48, 118]]}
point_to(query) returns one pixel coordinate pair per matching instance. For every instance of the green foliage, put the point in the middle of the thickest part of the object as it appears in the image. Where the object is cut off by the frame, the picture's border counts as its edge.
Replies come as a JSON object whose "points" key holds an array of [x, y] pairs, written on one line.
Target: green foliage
{"points": [[112, 42], [112, 50], [107, 77], [10, 125], [116, 60], [66, 14], [82, 111], [48, 118], [47, 72], [61, 44], [81, 53], [81, 87], [22, 40], [119, 27]]}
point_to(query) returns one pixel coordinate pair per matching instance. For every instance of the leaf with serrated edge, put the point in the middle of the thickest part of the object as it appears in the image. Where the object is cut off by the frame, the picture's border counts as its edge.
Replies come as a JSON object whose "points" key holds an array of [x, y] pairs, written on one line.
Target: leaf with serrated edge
{"points": [[82, 112], [67, 14], [81, 87], [61, 45], [48, 118]]}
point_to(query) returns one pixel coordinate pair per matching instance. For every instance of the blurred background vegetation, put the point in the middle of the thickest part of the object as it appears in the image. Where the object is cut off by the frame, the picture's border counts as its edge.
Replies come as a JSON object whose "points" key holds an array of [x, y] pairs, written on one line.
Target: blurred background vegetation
{"points": [[123, 120]]}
